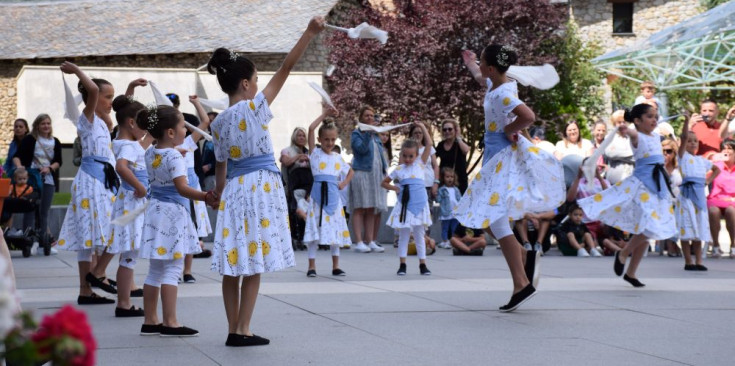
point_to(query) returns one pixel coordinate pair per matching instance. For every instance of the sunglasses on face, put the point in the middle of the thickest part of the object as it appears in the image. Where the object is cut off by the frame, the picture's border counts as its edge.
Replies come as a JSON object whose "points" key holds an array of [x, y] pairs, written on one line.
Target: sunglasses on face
{"points": [[668, 151]]}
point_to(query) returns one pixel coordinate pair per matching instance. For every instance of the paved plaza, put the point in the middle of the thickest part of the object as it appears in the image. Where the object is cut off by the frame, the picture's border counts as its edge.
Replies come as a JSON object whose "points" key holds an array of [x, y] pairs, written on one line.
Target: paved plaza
{"points": [[583, 314]]}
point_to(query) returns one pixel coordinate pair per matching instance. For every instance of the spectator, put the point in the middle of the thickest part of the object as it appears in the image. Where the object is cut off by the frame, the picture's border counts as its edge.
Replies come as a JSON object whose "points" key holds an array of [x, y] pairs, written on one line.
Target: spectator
{"points": [[671, 164], [452, 152], [540, 222], [296, 174], [721, 199], [580, 189], [572, 143], [575, 236], [599, 131], [40, 154], [537, 135], [466, 241], [709, 131], [208, 160], [367, 197], [614, 241], [20, 130], [619, 154], [448, 198], [77, 160], [648, 89], [295, 156]]}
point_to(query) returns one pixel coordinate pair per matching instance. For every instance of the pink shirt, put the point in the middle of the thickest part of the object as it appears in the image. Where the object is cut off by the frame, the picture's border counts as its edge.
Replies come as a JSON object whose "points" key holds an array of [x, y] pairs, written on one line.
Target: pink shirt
{"points": [[723, 187]]}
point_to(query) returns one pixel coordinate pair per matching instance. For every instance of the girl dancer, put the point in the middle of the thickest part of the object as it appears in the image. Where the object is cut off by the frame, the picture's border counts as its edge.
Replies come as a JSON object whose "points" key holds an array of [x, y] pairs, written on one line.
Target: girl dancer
{"points": [[641, 204], [129, 148], [516, 178], [326, 224], [692, 215], [252, 225], [87, 222], [198, 209], [412, 214], [168, 233]]}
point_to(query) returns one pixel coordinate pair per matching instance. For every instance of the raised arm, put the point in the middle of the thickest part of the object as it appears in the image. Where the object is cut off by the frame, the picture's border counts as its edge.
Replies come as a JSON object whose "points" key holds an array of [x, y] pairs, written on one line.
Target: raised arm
{"points": [[684, 135], [470, 60], [203, 117], [92, 90], [630, 132], [130, 91], [271, 90], [311, 139], [427, 143]]}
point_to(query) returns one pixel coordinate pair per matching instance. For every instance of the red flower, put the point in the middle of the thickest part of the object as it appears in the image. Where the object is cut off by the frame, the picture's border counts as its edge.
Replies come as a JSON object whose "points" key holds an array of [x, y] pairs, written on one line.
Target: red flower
{"points": [[60, 334]]}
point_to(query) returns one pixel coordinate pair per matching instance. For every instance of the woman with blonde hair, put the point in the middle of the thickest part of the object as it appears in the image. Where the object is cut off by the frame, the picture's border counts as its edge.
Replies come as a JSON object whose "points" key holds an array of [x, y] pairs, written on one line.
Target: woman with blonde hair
{"points": [[619, 154], [671, 164]]}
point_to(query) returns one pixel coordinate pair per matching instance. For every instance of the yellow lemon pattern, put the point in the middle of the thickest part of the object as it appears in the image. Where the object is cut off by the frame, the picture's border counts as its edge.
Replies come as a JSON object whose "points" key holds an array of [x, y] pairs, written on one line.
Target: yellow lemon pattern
{"points": [[235, 152], [264, 223], [222, 205], [178, 255], [494, 198], [644, 197], [225, 233], [252, 105], [492, 126], [61, 242], [252, 248], [267, 187], [598, 198], [85, 203], [161, 251], [322, 165], [88, 243], [533, 149], [265, 247], [243, 126], [232, 256], [498, 167], [506, 101], [157, 158]]}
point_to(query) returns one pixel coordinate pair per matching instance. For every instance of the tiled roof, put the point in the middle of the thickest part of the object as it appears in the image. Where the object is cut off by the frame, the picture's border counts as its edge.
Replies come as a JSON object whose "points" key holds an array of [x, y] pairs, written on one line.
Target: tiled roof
{"points": [[126, 27]]}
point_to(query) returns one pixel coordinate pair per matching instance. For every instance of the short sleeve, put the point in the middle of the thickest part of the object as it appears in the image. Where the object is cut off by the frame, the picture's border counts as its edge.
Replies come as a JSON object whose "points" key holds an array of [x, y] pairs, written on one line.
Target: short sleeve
{"points": [[176, 164], [261, 108], [83, 123], [395, 173], [707, 164], [219, 154], [345, 167], [433, 151], [509, 98], [127, 152]]}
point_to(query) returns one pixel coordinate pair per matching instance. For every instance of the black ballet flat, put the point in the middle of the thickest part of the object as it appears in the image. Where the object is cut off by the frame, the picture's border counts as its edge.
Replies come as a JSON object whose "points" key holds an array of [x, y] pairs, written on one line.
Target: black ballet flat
{"points": [[129, 313], [136, 293], [690, 267], [700, 267], [239, 340], [633, 281], [518, 299], [93, 299], [98, 282], [617, 266]]}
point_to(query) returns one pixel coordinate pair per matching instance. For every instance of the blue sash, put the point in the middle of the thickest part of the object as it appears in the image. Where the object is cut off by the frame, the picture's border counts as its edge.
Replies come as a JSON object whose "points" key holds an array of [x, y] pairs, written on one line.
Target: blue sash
{"points": [[102, 171], [236, 168], [326, 192], [413, 196], [141, 175], [169, 194], [494, 142], [693, 189], [651, 172], [193, 178]]}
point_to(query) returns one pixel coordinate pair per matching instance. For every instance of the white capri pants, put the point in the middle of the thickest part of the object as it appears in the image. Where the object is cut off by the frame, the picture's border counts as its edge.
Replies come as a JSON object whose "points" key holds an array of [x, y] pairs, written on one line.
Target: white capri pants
{"points": [[404, 234], [314, 246], [164, 272]]}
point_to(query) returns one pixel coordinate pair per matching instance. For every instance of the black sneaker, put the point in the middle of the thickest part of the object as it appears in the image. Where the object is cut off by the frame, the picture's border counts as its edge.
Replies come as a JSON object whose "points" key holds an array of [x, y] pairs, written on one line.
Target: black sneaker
{"points": [[424, 270], [239, 340], [128, 313], [98, 282], [338, 272], [150, 329], [178, 332], [401, 269], [93, 299], [189, 279], [309, 273], [518, 299]]}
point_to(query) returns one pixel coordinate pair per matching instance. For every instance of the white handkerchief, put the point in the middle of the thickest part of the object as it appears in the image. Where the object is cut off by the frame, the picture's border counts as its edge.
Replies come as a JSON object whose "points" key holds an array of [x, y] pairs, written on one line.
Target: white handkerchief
{"points": [[220, 104], [71, 107], [323, 93], [540, 77], [378, 129], [161, 98], [590, 165], [364, 31]]}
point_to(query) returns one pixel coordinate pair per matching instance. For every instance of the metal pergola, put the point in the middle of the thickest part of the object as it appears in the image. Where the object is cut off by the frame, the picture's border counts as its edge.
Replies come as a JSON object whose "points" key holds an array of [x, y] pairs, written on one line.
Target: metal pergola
{"points": [[698, 53]]}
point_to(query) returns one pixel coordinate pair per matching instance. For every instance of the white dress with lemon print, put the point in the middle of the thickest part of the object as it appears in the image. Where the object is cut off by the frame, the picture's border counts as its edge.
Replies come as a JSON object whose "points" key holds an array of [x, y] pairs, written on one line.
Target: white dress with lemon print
{"points": [[333, 230], [203, 226], [693, 222], [252, 234], [126, 238], [516, 178], [168, 232], [630, 206], [422, 218], [87, 221]]}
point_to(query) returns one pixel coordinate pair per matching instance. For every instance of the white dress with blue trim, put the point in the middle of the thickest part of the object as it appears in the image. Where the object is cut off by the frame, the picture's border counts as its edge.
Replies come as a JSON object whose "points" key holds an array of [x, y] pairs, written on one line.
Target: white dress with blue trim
{"points": [[410, 178], [326, 223], [127, 237], [692, 215]]}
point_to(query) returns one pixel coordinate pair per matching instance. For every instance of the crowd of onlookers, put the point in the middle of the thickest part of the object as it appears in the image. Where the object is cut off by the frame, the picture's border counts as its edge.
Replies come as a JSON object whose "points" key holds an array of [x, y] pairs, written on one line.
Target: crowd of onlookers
{"points": [[34, 158]]}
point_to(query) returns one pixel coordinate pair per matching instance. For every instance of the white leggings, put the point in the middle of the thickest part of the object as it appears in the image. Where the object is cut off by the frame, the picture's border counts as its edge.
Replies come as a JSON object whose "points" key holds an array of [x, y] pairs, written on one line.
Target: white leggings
{"points": [[501, 228], [164, 272], [404, 235], [84, 255], [128, 259], [313, 246]]}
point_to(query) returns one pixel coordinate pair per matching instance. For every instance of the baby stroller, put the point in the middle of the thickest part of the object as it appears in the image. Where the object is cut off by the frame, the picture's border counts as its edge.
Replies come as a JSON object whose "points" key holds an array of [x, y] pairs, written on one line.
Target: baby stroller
{"points": [[298, 178], [23, 239]]}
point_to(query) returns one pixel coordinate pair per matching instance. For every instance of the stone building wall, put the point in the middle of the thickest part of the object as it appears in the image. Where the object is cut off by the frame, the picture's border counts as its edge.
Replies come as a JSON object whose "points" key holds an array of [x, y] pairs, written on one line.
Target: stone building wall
{"points": [[313, 60], [595, 19]]}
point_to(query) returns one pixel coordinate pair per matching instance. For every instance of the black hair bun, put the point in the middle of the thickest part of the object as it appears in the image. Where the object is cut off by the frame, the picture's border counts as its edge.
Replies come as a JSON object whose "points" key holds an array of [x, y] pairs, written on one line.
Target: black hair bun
{"points": [[120, 102], [221, 58], [626, 116]]}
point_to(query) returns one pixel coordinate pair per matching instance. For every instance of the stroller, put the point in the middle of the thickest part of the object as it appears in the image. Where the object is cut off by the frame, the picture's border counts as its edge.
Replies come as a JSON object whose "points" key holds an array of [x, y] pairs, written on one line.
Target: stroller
{"points": [[298, 178], [23, 239]]}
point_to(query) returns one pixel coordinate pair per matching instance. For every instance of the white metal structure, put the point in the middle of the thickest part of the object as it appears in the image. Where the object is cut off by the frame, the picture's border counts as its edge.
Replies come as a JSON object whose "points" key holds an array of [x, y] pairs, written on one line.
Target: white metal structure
{"points": [[698, 53]]}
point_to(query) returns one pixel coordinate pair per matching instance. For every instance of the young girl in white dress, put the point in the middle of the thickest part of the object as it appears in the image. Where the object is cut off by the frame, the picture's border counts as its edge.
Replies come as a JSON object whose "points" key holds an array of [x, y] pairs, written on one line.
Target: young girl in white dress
{"points": [[86, 225], [325, 222], [516, 178], [129, 148], [641, 204], [692, 215], [200, 216], [411, 214], [168, 232], [252, 223]]}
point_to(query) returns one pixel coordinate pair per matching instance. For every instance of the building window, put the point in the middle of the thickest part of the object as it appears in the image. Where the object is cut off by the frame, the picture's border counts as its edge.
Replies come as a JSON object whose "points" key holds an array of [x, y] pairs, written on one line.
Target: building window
{"points": [[622, 18]]}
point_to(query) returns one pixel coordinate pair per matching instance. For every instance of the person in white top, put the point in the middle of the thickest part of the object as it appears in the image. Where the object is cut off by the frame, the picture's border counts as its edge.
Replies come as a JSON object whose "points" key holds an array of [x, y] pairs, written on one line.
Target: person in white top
{"points": [[572, 143]]}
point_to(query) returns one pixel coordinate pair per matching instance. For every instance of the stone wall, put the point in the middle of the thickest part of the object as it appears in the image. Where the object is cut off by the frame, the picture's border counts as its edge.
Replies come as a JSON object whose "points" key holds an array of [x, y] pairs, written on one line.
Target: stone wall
{"points": [[594, 18], [313, 60]]}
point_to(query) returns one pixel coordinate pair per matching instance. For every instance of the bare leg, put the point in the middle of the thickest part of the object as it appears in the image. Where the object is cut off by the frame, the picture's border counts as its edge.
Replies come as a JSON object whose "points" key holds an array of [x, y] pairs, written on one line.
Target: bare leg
{"points": [[514, 255], [84, 288], [522, 227], [248, 297], [357, 223], [187, 263], [542, 230], [697, 249], [369, 225], [686, 249], [730, 224], [714, 226], [101, 267], [376, 224], [150, 304], [124, 286], [636, 250], [168, 304], [231, 297], [335, 262]]}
